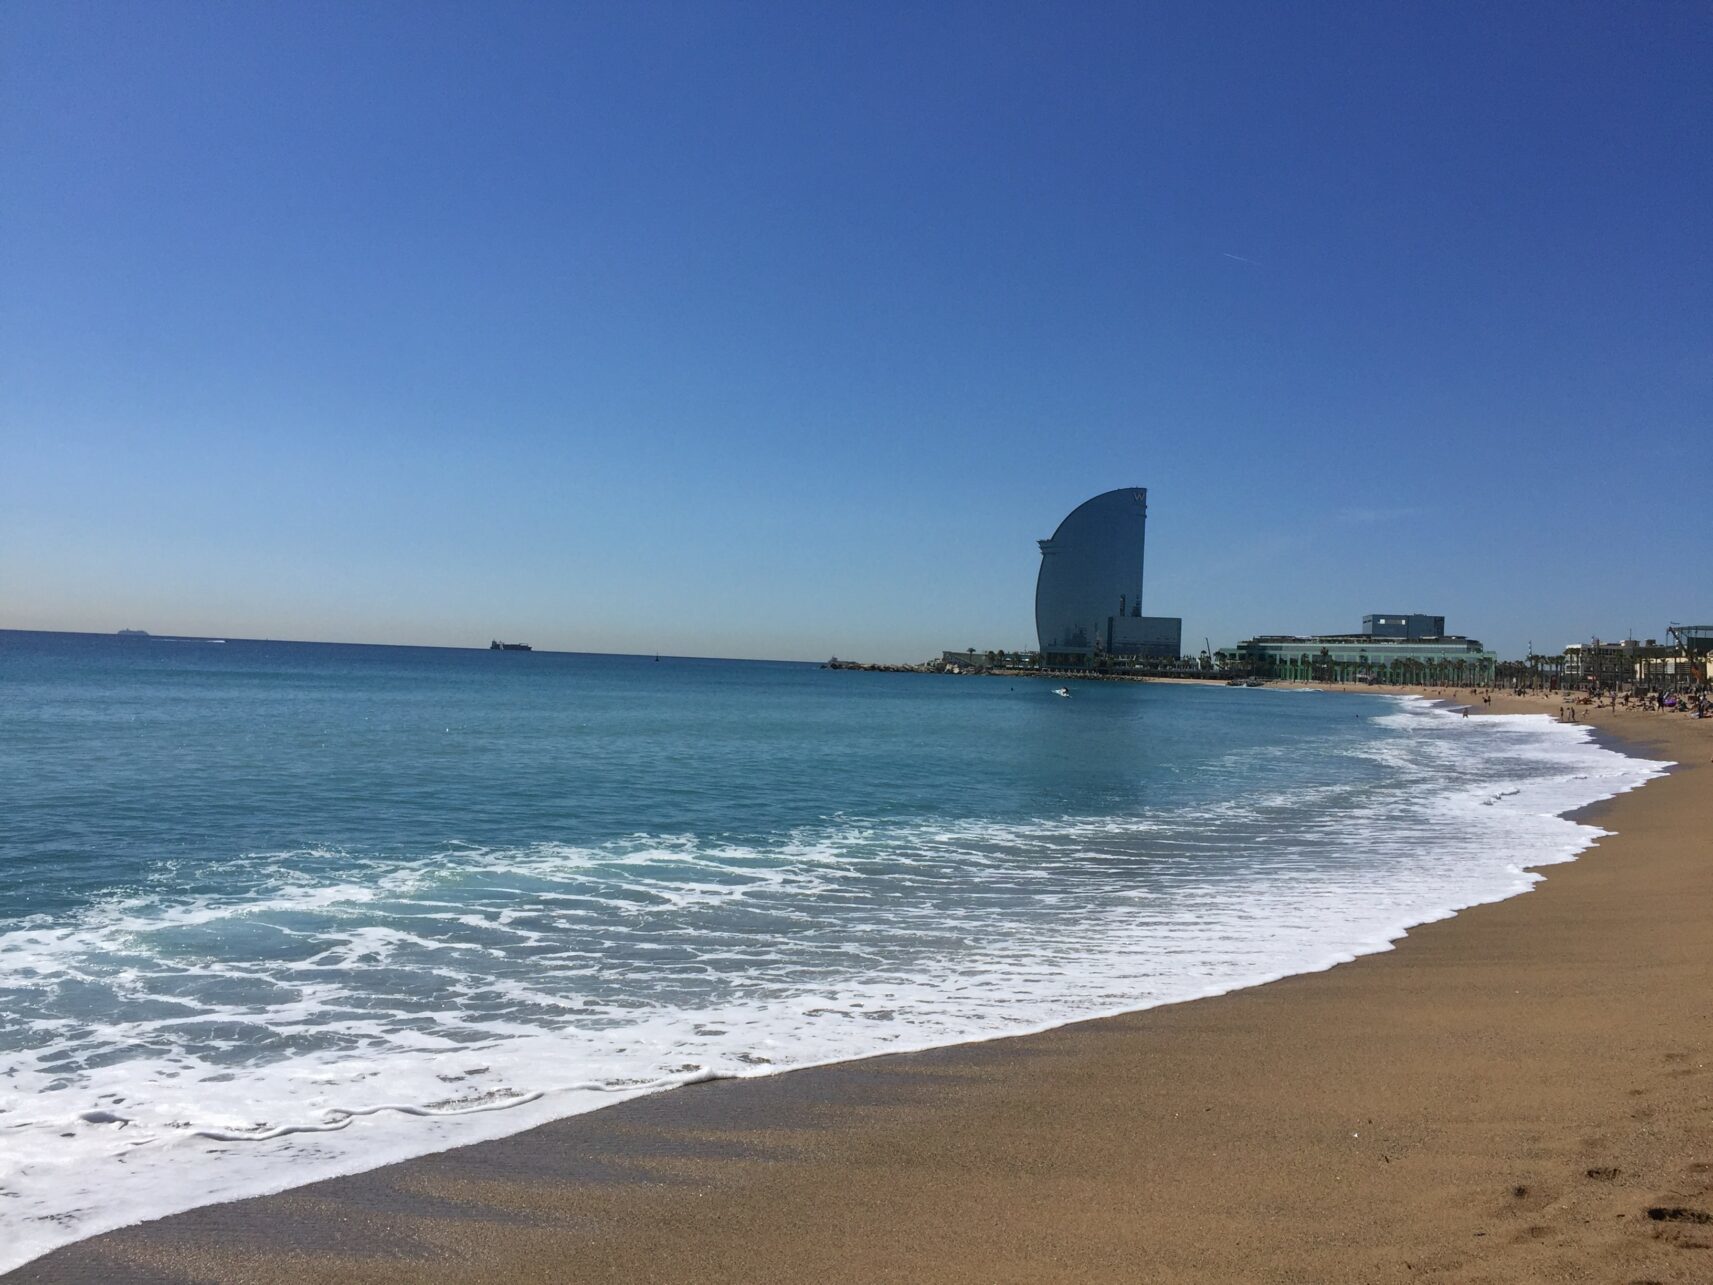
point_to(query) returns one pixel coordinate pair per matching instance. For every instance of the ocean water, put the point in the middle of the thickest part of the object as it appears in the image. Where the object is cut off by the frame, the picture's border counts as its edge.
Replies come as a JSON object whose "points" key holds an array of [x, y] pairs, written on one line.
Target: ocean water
{"points": [[271, 912]]}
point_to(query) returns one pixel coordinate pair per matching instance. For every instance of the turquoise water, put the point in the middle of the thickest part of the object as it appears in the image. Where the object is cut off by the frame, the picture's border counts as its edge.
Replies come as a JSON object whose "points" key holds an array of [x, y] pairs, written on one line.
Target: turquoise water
{"points": [[270, 911]]}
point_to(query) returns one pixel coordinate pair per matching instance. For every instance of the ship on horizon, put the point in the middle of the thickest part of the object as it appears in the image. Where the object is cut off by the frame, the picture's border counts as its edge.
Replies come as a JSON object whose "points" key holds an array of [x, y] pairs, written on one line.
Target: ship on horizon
{"points": [[497, 645]]}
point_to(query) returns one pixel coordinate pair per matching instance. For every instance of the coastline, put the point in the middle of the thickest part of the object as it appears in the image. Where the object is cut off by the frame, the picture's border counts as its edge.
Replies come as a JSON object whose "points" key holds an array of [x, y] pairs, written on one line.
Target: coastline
{"points": [[1374, 1122]]}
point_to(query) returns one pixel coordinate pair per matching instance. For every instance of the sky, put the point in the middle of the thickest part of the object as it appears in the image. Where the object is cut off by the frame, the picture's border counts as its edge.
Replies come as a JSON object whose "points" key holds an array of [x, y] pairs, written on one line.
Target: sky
{"points": [[786, 330]]}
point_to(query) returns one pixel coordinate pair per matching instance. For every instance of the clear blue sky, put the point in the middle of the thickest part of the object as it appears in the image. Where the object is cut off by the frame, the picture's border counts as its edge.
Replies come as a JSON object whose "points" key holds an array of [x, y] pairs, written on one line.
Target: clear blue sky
{"points": [[786, 330]]}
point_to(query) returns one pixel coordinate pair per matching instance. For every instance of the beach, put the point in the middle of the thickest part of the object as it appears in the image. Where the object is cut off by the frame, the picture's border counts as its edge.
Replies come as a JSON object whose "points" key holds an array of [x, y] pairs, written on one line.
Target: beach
{"points": [[1518, 1093]]}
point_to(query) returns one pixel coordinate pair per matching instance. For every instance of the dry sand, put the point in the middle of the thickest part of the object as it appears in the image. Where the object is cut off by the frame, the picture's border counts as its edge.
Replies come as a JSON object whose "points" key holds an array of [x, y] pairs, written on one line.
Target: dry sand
{"points": [[1522, 1093]]}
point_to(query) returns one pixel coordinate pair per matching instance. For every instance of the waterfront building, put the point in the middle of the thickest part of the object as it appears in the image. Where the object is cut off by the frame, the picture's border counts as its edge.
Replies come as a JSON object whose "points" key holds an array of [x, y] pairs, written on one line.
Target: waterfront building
{"points": [[1088, 595], [1394, 656], [1685, 662], [1603, 664]]}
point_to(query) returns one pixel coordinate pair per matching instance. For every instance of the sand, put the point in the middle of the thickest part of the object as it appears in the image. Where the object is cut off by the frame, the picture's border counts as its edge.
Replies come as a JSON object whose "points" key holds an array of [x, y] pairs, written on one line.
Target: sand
{"points": [[1521, 1093]]}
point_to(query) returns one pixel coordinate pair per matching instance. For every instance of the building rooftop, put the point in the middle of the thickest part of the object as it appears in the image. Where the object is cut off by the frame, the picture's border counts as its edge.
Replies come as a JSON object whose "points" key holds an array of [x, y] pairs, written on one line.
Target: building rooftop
{"points": [[1377, 639]]}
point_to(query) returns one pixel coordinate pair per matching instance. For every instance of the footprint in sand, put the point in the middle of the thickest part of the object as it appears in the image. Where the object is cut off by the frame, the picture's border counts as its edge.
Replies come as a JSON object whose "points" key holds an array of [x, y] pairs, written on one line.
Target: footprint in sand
{"points": [[1681, 1226], [1679, 1214]]}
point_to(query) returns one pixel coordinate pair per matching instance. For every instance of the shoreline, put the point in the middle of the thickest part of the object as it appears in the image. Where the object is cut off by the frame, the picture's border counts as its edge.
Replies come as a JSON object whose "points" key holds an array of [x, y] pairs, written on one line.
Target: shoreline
{"points": [[786, 1155]]}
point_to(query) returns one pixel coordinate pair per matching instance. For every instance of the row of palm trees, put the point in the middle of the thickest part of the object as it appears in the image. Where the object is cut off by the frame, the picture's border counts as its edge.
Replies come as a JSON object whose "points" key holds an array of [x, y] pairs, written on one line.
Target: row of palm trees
{"points": [[1411, 671]]}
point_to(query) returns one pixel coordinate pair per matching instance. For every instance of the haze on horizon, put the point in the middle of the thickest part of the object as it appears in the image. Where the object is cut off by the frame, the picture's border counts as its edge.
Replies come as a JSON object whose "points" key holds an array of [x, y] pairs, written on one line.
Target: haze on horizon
{"points": [[757, 331]]}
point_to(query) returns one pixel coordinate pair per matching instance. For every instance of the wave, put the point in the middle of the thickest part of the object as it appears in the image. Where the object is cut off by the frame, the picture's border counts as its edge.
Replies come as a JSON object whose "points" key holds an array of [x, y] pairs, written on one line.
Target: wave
{"points": [[285, 1016]]}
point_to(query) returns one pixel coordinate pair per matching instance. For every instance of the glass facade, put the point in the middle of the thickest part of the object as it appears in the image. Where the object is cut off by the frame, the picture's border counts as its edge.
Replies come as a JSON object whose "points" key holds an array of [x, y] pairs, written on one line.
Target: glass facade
{"points": [[1388, 660], [1091, 573]]}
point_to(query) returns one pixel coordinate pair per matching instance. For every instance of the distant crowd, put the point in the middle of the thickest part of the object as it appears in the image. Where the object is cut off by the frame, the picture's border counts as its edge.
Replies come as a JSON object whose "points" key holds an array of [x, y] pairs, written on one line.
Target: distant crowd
{"points": [[1697, 702]]}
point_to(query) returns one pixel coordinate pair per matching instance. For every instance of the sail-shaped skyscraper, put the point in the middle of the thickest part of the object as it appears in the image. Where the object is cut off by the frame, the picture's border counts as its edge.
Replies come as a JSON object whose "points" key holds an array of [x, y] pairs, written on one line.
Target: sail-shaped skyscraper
{"points": [[1088, 597]]}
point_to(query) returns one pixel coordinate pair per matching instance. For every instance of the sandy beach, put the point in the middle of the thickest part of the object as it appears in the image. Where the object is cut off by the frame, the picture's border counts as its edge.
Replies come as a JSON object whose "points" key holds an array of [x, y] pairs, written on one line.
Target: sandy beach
{"points": [[1521, 1093]]}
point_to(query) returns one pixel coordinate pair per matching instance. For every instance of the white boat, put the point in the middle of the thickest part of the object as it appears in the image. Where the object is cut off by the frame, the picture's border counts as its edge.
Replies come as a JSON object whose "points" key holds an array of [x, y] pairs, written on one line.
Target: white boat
{"points": [[1061, 691]]}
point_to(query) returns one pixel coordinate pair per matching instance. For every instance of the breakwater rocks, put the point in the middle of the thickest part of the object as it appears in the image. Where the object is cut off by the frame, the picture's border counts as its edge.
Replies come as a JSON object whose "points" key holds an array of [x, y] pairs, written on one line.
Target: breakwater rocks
{"points": [[931, 667]]}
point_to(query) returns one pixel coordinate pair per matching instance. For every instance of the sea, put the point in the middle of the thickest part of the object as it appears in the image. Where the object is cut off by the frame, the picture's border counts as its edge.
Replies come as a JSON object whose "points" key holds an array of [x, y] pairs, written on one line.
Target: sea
{"points": [[271, 911]]}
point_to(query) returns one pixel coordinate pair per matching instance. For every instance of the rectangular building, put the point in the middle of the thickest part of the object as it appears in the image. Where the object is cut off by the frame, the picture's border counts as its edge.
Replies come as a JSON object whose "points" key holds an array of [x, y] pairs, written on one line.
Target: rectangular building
{"points": [[1682, 663], [1345, 658], [1603, 664], [1403, 625], [1156, 637]]}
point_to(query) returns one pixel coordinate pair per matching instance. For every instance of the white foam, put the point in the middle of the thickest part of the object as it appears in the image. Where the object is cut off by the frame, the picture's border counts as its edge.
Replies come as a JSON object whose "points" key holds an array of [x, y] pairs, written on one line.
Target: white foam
{"points": [[474, 993]]}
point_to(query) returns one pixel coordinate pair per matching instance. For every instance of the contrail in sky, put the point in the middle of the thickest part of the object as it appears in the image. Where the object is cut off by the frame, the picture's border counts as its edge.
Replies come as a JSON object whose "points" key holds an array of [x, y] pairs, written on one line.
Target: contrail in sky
{"points": [[1240, 258]]}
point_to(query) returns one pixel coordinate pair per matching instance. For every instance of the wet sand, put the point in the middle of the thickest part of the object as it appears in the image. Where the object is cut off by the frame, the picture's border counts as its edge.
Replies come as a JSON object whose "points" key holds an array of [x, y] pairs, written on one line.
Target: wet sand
{"points": [[1521, 1093]]}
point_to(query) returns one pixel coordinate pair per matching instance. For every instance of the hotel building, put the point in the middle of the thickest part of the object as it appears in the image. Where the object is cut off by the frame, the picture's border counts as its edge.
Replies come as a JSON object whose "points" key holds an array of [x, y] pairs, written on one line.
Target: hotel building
{"points": [[1088, 595]]}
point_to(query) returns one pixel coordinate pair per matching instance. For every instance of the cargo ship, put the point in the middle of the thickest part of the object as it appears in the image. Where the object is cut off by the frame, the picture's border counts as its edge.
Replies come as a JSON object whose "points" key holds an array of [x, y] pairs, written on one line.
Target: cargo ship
{"points": [[497, 645]]}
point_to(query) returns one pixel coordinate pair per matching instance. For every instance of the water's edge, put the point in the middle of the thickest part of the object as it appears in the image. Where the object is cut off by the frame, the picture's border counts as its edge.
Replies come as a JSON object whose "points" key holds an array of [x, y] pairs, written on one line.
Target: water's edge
{"points": [[510, 1118]]}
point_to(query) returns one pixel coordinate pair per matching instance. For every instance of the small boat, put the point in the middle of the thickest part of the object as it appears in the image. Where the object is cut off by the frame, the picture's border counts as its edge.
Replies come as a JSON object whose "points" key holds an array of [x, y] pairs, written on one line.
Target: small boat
{"points": [[1256, 682], [1061, 691], [1234, 682], [133, 633], [497, 645]]}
